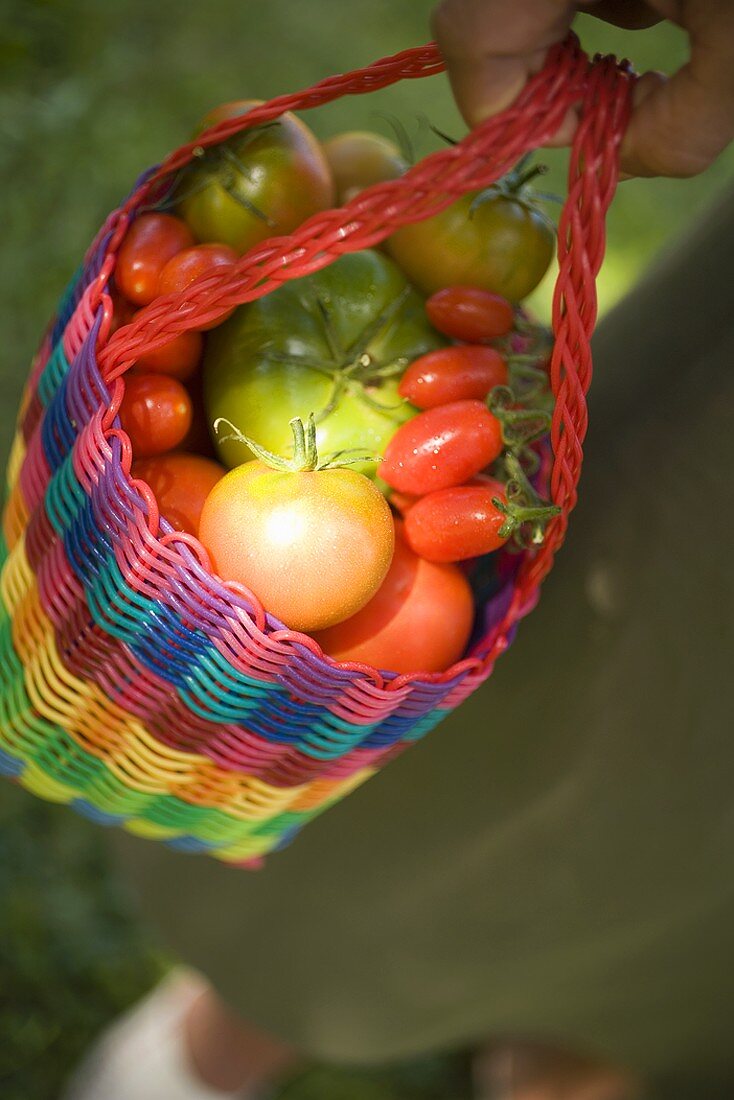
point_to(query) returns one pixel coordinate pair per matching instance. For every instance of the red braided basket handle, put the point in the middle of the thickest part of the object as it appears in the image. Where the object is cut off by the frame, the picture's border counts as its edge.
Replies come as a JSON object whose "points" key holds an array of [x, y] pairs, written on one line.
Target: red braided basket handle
{"points": [[602, 91]]}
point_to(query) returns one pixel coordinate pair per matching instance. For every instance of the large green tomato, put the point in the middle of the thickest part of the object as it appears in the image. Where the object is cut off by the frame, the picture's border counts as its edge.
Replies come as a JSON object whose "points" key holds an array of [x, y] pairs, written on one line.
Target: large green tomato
{"points": [[335, 344]]}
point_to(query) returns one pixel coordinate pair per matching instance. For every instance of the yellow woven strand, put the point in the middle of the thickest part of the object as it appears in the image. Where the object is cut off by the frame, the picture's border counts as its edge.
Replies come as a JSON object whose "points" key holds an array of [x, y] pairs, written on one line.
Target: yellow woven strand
{"points": [[106, 730]]}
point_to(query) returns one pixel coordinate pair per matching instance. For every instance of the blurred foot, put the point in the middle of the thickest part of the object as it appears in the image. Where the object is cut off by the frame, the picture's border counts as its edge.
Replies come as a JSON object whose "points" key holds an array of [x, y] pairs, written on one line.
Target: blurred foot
{"points": [[531, 1071], [178, 1043]]}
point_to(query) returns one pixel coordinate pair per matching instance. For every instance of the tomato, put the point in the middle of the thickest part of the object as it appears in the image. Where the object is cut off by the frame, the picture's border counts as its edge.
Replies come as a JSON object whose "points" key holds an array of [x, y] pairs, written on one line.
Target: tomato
{"points": [[419, 620], [358, 159], [467, 521], [498, 239], [179, 357], [453, 374], [181, 483], [468, 313], [457, 523], [187, 266], [313, 545], [156, 413], [335, 344], [150, 242], [260, 183], [441, 447]]}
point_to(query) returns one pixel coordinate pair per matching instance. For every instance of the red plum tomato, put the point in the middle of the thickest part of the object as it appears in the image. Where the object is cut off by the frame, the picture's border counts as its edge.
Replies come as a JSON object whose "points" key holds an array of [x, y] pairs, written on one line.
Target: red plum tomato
{"points": [[456, 373], [457, 523], [470, 313], [441, 447]]}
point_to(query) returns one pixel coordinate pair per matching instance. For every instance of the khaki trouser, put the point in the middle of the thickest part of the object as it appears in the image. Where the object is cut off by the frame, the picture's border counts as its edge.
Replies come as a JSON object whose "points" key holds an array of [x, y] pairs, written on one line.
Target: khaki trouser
{"points": [[557, 859]]}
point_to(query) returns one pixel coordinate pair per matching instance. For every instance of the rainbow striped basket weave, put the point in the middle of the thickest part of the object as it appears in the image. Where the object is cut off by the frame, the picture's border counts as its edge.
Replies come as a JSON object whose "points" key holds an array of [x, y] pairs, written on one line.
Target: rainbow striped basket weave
{"points": [[134, 684]]}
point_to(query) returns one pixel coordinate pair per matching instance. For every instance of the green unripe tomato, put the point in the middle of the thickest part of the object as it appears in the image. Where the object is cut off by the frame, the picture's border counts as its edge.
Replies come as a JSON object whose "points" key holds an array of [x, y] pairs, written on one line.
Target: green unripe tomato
{"points": [[335, 344], [260, 183], [499, 240]]}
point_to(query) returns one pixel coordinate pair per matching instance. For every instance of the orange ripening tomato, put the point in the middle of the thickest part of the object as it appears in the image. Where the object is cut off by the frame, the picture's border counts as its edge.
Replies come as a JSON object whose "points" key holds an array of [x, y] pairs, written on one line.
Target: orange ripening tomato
{"points": [[156, 413], [151, 241], [419, 620], [314, 546], [181, 483], [185, 267]]}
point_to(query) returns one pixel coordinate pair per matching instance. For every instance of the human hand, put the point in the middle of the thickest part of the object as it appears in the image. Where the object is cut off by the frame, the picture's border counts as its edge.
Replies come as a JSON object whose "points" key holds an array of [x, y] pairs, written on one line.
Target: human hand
{"points": [[679, 124]]}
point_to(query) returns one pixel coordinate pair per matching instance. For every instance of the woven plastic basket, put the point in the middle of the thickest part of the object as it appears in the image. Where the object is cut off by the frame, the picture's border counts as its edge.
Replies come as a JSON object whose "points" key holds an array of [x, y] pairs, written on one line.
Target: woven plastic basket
{"points": [[134, 684]]}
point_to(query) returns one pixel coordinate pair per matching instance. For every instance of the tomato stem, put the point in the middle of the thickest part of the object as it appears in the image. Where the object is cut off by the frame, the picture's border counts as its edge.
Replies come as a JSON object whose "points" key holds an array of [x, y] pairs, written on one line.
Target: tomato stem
{"points": [[305, 452], [523, 508]]}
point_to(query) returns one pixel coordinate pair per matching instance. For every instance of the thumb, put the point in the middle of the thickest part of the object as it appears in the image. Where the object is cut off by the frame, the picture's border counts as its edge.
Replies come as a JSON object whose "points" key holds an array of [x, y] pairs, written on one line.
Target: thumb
{"points": [[680, 125]]}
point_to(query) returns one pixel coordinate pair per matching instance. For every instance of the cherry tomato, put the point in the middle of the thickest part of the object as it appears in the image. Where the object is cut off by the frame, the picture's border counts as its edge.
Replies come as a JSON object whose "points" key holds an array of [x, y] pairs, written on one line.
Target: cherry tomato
{"points": [[185, 267], [181, 483], [156, 413], [441, 447], [470, 313], [313, 546], [419, 620], [453, 374], [498, 239], [151, 241], [260, 183], [457, 523], [358, 159], [178, 358]]}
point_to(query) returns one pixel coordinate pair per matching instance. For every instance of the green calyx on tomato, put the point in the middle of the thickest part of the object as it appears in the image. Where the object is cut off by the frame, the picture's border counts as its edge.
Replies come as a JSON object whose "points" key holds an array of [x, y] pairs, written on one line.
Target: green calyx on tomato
{"points": [[526, 514], [261, 183], [498, 239], [335, 344], [305, 458]]}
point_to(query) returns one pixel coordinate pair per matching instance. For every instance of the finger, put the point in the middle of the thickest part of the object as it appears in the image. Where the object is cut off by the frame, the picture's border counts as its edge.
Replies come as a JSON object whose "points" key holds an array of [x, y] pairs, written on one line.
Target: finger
{"points": [[679, 126], [633, 15], [491, 47]]}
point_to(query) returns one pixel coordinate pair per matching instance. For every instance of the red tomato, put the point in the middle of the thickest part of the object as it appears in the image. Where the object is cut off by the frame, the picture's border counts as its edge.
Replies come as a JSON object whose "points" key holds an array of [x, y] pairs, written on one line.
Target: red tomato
{"points": [[180, 483], [314, 546], [185, 267], [457, 523], [151, 241], [441, 447], [156, 413], [453, 374], [178, 358], [470, 313], [419, 620]]}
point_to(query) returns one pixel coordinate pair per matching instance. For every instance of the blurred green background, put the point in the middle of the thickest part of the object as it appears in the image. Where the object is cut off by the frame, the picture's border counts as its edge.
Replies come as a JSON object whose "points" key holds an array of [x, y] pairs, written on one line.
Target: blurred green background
{"points": [[90, 94]]}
